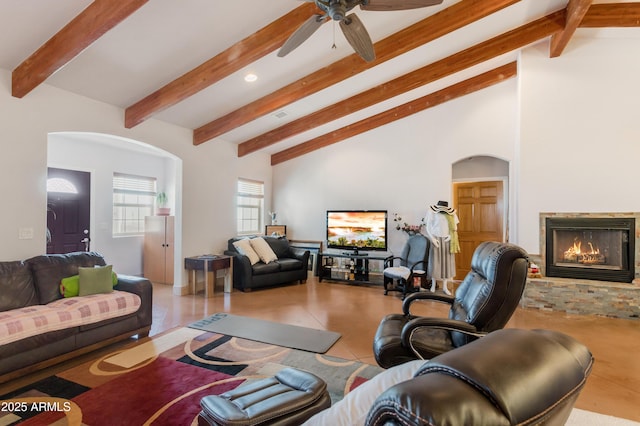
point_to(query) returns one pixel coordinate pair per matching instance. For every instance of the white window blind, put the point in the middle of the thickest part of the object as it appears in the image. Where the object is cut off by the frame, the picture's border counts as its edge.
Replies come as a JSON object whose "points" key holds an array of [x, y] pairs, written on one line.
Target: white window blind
{"points": [[133, 199], [250, 202]]}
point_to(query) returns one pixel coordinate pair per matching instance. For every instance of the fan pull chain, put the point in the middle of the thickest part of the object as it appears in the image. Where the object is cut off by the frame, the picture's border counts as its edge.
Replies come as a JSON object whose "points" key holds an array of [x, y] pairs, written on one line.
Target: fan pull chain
{"points": [[334, 35]]}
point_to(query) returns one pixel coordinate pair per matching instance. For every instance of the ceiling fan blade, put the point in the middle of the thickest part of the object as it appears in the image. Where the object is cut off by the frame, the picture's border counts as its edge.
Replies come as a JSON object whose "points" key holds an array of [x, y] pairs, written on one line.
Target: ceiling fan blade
{"points": [[397, 4], [300, 35], [358, 37]]}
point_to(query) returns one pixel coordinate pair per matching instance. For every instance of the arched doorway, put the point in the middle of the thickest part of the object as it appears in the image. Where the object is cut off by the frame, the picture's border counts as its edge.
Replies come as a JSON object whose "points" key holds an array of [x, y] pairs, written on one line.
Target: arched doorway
{"points": [[104, 157], [480, 196]]}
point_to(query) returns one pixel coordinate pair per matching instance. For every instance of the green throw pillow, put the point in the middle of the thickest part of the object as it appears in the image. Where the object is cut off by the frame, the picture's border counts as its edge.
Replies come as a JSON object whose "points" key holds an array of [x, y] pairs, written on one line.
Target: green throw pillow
{"points": [[95, 280], [70, 286]]}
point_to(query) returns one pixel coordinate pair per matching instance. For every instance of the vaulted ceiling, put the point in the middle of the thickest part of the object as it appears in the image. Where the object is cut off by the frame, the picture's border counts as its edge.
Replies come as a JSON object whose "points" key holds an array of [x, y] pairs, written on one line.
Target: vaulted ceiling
{"points": [[184, 62]]}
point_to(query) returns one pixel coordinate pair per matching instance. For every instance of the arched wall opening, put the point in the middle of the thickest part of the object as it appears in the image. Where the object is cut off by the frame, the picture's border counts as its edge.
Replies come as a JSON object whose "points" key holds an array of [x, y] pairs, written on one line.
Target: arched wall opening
{"points": [[485, 168], [102, 155], [480, 188]]}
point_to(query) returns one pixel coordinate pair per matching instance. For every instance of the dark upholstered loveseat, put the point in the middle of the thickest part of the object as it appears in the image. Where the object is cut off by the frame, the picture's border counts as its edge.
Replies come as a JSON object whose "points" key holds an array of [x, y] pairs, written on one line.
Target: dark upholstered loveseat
{"points": [[291, 265], [30, 298]]}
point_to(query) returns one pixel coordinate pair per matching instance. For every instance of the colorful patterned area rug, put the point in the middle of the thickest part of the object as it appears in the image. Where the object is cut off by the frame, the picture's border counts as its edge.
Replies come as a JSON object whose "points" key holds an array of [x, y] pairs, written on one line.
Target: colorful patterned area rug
{"points": [[161, 381]]}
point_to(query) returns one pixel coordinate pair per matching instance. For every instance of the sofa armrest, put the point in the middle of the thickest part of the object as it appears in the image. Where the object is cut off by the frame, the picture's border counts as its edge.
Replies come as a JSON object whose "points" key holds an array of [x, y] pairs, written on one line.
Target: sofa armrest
{"points": [[242, 271], [300, 254], [144, 289], [241, 261], [138, 285]]}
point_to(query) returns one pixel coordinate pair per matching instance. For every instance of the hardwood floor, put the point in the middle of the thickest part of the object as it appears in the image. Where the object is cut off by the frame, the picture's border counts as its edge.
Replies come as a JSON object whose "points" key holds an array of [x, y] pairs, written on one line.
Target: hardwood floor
{"points": [[354, 311]]}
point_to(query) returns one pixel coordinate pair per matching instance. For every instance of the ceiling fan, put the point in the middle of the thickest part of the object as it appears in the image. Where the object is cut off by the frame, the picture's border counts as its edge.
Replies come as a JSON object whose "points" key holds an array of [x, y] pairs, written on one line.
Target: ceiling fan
{"points": [[352, 27]]}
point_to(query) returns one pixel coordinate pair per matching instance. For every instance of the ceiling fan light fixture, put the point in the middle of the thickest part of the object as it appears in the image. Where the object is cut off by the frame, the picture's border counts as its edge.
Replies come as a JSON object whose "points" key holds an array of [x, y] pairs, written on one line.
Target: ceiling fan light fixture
{"points": [[337, 10]]}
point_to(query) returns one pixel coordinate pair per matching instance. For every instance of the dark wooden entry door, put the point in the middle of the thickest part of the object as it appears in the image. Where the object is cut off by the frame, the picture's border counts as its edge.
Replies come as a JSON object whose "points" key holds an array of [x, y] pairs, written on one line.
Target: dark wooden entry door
{"points": [[480, 207], [68, 212]]}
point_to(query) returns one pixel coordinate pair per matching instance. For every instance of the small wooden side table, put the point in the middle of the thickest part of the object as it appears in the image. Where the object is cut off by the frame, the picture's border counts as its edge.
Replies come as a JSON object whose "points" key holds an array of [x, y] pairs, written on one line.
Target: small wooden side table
{"points": [[209, 263]]}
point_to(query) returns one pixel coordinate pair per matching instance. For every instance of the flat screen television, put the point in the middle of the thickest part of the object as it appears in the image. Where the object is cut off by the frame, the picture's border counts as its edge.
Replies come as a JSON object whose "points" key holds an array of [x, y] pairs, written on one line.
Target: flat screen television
{"points": [[357, 229]]}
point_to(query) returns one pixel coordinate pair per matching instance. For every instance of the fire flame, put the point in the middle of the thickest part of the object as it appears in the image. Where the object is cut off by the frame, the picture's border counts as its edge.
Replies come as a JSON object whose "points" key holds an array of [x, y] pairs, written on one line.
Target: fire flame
{"points": [[577, 250], [576, 254]]}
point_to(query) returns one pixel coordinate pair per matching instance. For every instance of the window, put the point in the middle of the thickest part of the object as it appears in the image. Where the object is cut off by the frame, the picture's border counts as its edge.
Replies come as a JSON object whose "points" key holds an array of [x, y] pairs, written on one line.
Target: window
{"points": [[133, 199], [61, 185], [250, 206]]}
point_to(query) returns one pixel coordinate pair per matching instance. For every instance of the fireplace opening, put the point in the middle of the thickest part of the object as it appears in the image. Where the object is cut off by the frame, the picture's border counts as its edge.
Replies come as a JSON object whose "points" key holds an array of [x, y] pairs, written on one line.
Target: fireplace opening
{"points": [[590, 248]]}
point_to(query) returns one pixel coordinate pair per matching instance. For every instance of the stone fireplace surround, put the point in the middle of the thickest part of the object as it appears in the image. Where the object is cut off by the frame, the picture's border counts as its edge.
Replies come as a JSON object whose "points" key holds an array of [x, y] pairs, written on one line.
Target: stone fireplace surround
{"points": [[579, 296]]}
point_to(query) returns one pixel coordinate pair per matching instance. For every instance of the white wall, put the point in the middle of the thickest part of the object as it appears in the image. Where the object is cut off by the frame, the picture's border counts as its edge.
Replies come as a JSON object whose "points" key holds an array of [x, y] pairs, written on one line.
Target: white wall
{"points": [[580, 133], [480, 167], [208, 176], [403, 167]]}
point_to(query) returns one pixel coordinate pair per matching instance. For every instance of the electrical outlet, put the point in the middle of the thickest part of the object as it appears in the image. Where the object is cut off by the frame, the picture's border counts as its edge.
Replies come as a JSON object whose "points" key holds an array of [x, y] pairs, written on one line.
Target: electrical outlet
{"points": [[25, 233]]}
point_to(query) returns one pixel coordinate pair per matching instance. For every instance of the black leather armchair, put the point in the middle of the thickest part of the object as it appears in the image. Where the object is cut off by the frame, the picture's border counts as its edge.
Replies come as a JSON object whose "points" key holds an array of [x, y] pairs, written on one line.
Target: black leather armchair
{"points": [[509, 377], [484, 302]]}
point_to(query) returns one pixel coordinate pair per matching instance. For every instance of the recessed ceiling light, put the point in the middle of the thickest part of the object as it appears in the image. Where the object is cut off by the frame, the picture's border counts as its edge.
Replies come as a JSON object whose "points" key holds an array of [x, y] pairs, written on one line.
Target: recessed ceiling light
{"points": [[250, 78]]}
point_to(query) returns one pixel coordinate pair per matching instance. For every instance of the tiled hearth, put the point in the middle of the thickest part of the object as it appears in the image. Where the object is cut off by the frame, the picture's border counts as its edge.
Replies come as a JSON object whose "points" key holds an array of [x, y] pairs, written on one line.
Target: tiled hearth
{"points": [[579, 296], [584, 297]]}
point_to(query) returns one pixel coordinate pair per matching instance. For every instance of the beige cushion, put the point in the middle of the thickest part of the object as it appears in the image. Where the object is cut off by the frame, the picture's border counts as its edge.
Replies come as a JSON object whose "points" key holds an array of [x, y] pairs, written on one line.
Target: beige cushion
{"points": [[263, 249], [245, 249], [397, 272]]}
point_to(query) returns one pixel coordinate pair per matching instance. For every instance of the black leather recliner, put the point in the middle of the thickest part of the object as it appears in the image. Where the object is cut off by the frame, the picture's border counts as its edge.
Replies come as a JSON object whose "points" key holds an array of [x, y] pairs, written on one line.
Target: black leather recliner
{"points": [[484, 302], [509, 377]]}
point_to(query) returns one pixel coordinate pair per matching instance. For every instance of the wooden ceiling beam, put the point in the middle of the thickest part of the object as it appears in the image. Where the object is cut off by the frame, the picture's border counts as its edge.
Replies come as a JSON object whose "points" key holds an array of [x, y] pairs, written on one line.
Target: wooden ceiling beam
{"points": [[448, 20], [429, 101], [93, 22], [612, 15], [241, 54], [582, 13], [474, 55], [575, 11]]}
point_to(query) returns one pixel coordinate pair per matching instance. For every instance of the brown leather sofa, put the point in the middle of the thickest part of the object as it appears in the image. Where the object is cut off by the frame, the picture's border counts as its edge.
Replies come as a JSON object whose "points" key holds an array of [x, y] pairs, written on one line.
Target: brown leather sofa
{"points": [[291, 265], [36, 281]]}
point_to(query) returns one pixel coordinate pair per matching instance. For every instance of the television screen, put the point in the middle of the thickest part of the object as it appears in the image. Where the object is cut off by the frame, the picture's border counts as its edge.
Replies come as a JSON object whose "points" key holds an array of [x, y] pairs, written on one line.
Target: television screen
{"points": [[357, 229]]}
